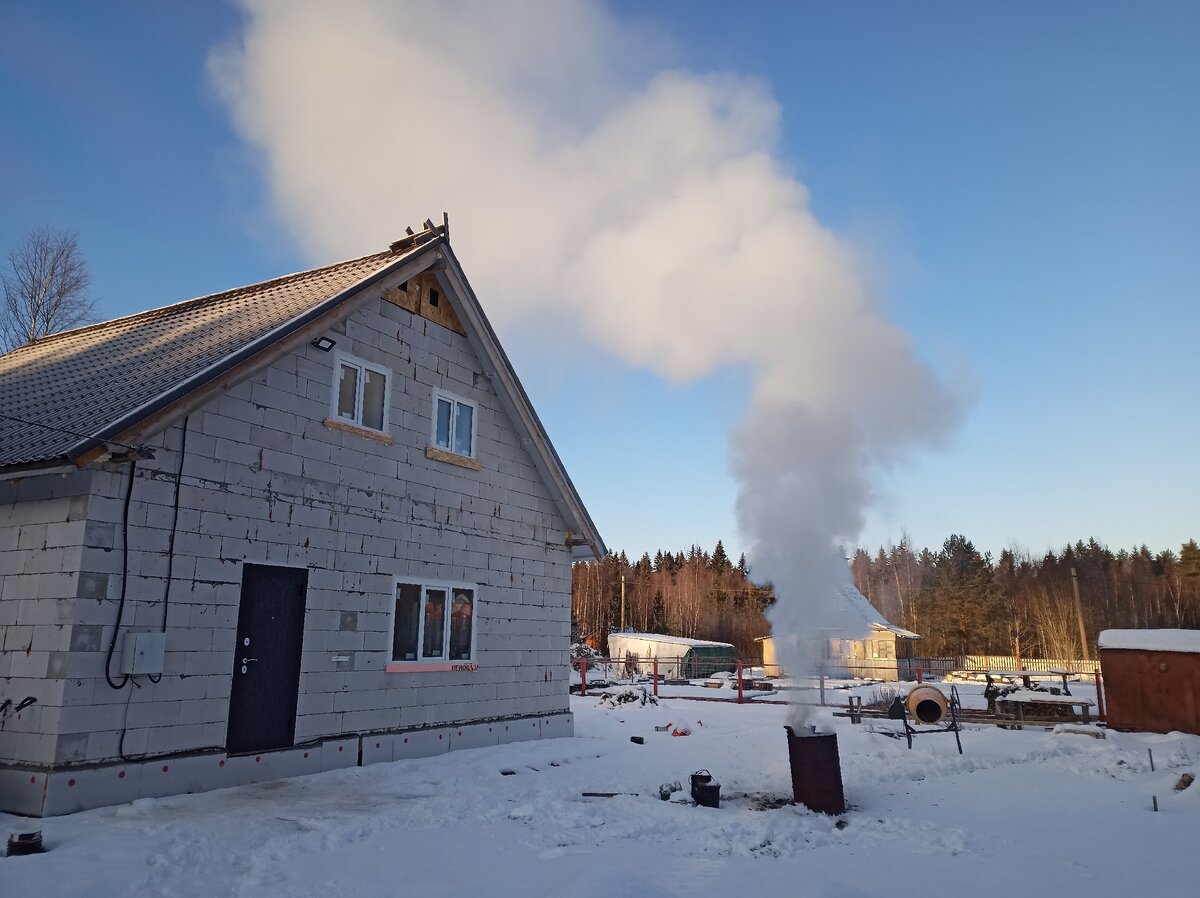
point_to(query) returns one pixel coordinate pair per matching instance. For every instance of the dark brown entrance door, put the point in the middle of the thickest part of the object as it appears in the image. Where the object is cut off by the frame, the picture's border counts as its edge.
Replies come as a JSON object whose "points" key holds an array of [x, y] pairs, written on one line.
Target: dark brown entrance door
{"points": [[266, 659]]}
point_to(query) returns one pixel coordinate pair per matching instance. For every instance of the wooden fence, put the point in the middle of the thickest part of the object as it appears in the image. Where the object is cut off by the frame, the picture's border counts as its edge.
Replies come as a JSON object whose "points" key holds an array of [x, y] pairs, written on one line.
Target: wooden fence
{"points": [[1011, 662], [907, 668]]}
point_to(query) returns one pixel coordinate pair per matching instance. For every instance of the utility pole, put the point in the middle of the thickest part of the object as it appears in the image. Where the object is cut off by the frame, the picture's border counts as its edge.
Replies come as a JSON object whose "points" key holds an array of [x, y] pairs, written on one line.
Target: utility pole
{"points": [[1079, 616], [623, 604]]}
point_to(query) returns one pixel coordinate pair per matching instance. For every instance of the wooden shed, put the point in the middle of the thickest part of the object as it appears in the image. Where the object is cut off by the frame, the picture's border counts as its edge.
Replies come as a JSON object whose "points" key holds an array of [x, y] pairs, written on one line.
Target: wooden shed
{"points": [[1152, 679]]}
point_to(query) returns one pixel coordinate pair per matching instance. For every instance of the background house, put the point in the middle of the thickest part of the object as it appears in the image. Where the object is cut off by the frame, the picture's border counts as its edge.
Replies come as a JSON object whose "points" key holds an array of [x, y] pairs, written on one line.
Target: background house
{"points": [[876, 650], [310, 523]]}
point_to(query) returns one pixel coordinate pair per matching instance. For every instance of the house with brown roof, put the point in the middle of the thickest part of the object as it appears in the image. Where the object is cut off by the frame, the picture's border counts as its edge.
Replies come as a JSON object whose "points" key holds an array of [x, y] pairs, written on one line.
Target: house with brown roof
{"points": [[306, 524]]}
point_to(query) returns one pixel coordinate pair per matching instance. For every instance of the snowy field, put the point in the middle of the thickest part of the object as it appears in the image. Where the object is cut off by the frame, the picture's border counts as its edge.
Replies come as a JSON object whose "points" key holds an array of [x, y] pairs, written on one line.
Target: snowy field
{"points": [[1027, 813]]}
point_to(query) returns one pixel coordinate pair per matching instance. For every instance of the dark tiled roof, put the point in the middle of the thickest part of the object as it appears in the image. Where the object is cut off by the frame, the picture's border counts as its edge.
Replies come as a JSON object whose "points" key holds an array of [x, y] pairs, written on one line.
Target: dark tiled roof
{"points": [[85, 380]]}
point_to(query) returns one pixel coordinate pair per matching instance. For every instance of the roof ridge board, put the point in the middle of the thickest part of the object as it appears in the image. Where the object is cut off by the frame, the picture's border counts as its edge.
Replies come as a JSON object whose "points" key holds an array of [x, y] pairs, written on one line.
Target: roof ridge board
{"points": [[197, 300], [248, 350]]}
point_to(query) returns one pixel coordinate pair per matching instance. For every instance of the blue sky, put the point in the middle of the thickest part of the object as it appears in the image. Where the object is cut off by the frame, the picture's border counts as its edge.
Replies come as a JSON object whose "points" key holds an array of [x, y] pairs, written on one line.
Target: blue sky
{"points": [[1020, 182]]}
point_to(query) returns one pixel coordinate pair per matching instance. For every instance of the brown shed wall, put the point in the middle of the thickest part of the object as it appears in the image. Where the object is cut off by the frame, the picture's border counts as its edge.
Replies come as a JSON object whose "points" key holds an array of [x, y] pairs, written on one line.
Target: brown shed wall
{"points": [[1153, 692]]}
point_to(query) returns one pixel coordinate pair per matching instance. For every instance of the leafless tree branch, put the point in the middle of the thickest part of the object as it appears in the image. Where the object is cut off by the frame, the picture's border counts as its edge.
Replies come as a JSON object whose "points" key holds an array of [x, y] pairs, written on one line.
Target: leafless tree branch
{"points": [[45, 288]]}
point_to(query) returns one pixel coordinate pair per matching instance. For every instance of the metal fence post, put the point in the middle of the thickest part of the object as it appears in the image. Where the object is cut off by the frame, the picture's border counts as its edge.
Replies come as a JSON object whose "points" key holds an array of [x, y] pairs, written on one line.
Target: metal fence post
{"points": [[920, 680], [655, 661], [583, 676], [822, 688], [1100, 715], [739, 675]]}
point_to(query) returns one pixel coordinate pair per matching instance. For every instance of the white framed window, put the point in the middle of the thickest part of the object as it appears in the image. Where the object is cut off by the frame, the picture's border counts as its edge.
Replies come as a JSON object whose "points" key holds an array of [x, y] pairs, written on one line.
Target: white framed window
{"points": [[433, 622], [361, 393], [454, 423]]}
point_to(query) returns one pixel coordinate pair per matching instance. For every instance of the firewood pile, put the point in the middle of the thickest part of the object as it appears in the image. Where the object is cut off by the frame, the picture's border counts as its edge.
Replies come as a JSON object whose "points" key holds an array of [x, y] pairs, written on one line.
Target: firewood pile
{"points": [[1037, 710]]}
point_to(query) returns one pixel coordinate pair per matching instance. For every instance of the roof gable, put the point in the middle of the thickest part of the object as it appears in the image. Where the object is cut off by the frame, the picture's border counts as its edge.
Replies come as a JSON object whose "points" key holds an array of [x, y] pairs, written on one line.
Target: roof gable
{"points": [[65, 397], [585, 540]]}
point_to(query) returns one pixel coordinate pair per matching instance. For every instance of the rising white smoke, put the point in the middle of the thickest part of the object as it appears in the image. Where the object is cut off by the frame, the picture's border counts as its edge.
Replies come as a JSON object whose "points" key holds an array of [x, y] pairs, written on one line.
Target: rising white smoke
{"points": [[648, 207]]}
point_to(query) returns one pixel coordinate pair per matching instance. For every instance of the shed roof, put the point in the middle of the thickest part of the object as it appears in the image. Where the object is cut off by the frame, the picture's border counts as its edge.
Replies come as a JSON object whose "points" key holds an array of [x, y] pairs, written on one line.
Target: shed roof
{"points": [[1151, 640], [66, 395], [672, 640]]}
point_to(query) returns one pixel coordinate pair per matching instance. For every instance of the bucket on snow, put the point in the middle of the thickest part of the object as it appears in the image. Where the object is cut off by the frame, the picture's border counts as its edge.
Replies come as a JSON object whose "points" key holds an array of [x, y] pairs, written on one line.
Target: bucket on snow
{"points": [[705, 792], [25, 843]]}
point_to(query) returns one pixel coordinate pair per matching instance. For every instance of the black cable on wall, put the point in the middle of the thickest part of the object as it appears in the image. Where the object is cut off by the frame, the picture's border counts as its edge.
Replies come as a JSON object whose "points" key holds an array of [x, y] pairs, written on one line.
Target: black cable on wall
{"points": [[112, 645], [155, 678]]}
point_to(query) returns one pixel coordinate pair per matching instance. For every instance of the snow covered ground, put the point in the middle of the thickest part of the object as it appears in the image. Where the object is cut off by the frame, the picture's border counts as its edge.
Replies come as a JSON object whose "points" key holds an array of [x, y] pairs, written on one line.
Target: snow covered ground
{"points": [[1027, 812]]}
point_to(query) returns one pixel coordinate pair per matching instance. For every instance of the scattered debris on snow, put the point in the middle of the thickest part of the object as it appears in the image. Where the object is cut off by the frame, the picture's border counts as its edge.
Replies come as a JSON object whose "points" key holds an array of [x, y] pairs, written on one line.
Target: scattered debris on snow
{"points": [[641, 696]]}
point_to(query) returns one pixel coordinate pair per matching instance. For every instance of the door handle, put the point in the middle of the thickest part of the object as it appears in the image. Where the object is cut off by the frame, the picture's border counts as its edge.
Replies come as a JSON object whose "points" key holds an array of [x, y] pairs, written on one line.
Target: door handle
{"points": [[248, 660]]}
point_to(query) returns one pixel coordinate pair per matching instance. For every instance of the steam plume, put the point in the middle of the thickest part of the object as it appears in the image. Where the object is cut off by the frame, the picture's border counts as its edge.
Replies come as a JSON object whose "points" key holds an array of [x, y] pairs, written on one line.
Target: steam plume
{"points": [[649, 206]]}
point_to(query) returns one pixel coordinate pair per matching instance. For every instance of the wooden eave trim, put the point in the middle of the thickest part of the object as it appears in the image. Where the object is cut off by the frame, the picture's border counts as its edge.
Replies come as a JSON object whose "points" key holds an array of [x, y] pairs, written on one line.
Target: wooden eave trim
{"points": [[36, 468], [343, 305]]}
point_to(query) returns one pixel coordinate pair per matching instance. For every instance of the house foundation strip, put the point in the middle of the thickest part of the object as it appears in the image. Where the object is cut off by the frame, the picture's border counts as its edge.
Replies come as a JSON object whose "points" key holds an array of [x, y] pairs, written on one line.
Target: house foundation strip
{"points": [[46, 793]]}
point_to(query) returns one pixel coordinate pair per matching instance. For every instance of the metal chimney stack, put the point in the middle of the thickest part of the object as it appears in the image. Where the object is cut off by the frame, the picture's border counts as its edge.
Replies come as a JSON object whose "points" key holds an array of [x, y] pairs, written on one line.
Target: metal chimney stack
{"points": [[816, 771]]}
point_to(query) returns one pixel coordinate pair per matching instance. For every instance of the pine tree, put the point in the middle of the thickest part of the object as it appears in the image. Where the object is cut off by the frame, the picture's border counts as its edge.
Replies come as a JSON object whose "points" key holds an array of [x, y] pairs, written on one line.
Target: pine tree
{"points": [[719, 561], [658, 616], [963, 592]]}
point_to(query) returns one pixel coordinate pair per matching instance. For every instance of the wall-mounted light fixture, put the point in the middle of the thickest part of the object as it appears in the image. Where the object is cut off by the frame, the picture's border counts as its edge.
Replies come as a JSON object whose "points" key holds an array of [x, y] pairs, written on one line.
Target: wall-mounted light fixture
{"points": [[324, 343]]}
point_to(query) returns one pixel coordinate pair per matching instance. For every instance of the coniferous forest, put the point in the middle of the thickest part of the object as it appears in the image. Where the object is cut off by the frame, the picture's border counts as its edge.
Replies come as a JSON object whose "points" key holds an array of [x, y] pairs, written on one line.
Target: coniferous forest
{"points": [[696, 593], [962, 601]]}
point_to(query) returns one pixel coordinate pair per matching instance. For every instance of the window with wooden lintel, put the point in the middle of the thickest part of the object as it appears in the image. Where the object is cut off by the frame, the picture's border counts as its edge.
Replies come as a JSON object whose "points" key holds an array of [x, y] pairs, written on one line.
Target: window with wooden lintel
{"points": [[361, 393], [454, 423]]}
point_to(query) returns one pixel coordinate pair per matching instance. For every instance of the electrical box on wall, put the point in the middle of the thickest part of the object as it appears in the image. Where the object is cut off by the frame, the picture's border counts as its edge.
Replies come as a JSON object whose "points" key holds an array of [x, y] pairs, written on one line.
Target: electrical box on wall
{"points": [[143, 653]]}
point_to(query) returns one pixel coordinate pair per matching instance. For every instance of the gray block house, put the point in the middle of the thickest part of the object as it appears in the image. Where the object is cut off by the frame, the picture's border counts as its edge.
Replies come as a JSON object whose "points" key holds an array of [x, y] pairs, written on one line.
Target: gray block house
{"points": [[306, 524]]}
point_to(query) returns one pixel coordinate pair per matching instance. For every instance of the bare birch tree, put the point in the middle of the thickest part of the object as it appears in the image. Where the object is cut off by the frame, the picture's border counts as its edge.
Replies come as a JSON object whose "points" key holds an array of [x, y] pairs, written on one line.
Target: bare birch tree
{"points": [[45, 288]]}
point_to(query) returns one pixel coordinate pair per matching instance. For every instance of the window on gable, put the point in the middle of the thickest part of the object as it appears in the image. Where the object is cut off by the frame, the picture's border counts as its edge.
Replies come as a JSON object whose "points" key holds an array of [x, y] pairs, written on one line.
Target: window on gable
{"points": [[453, 424], [361, 393], [433, 622]]}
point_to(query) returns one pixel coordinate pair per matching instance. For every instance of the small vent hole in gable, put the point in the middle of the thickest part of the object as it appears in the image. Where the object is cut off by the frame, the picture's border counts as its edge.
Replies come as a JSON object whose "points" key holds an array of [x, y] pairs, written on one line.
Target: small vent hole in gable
{"points": [[434, 296]]}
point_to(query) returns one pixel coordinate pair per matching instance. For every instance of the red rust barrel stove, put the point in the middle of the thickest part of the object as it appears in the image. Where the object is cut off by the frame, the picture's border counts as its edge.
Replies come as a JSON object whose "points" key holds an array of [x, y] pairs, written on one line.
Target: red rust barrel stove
{"points": [[816, 771]]}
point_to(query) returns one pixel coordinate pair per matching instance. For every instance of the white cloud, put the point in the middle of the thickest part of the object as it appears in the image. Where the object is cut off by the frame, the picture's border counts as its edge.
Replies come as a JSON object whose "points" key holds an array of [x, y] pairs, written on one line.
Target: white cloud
{"points": [[650, 206]]}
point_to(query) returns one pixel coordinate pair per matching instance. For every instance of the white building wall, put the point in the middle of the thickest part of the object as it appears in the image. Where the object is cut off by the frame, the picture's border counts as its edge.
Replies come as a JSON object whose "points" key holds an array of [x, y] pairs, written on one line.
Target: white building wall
{"points": [[42, 527], [264, 480]]}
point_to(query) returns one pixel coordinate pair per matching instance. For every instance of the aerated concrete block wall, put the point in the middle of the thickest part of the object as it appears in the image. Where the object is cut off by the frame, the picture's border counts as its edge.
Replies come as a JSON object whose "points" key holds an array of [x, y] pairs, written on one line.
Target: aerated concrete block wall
{"points": [[43, 525], [264, 480]]}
